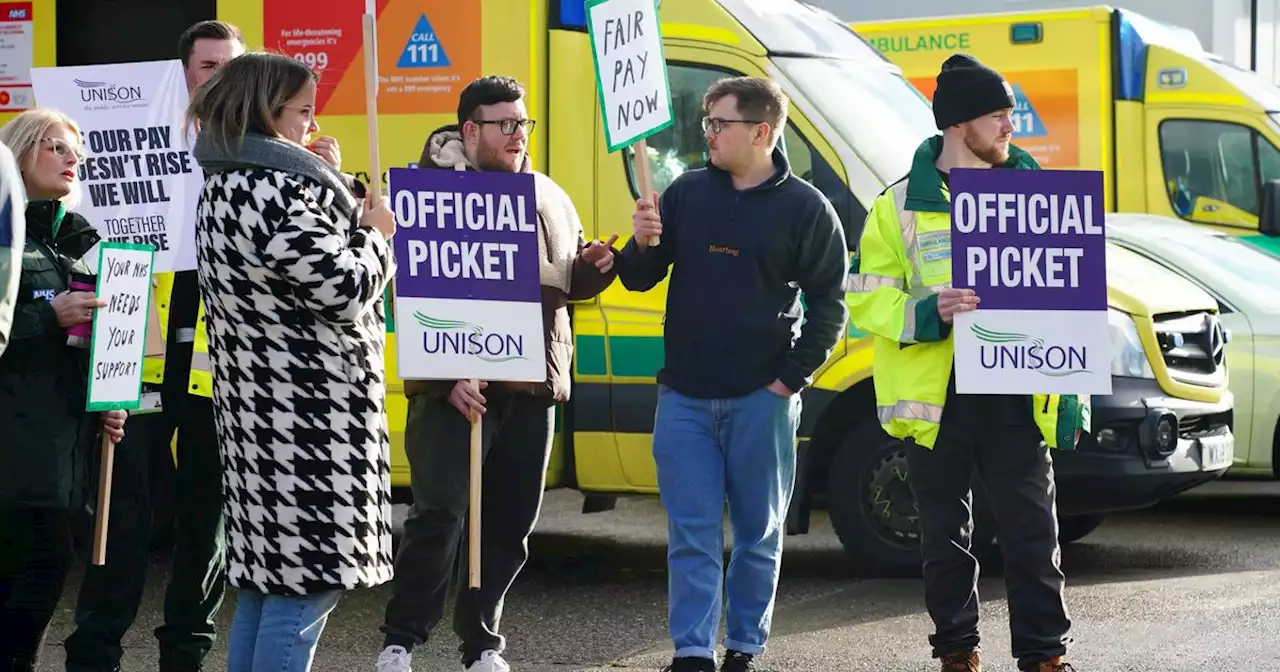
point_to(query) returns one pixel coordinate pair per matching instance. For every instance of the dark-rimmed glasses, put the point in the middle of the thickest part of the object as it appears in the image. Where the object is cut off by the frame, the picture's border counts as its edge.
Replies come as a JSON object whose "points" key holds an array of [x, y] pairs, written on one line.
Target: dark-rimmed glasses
{"points": [[509, 126], [716, 124]]}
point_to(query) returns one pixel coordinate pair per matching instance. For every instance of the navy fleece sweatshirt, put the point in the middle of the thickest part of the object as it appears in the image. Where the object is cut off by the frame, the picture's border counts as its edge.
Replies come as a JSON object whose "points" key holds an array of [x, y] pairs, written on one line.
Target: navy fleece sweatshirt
{"points": [[739, 261]]}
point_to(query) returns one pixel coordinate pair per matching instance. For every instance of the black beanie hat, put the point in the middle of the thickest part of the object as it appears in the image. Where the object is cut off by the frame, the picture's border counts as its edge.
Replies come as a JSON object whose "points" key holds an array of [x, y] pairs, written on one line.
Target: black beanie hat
{"points": [[966, 90]]}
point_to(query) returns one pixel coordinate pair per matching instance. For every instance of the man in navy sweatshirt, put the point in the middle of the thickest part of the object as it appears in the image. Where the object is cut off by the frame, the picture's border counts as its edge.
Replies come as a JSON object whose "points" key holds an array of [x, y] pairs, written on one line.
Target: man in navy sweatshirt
{"points": [[744, 238]]}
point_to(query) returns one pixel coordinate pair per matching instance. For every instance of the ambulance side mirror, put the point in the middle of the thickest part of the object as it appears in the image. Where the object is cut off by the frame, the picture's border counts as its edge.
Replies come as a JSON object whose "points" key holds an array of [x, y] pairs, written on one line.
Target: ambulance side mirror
{"points": [[1269, 217]]}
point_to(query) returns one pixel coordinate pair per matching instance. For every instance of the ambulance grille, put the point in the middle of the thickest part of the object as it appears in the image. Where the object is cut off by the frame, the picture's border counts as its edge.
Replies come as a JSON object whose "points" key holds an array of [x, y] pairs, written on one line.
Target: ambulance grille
{"points": [[1193, 346]]}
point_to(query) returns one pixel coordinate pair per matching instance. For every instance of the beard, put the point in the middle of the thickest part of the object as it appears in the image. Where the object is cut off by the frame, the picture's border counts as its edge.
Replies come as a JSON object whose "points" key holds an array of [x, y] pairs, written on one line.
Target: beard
{"points": [[993, 152], [495, 159]]}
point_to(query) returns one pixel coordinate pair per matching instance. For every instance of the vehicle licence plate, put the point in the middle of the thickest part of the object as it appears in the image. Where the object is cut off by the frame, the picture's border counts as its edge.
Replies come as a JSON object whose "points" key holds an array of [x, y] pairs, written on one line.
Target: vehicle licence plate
{"points": [[1216, 452]]}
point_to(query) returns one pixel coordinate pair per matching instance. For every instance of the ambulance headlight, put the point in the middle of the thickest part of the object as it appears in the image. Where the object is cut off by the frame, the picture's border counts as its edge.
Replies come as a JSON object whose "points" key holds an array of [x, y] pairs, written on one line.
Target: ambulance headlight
{"points": [[1127, 356]]}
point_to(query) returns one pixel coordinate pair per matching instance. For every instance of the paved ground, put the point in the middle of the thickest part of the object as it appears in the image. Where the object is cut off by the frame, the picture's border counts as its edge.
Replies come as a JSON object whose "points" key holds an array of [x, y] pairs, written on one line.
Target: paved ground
{"points": [[1172, 589]]}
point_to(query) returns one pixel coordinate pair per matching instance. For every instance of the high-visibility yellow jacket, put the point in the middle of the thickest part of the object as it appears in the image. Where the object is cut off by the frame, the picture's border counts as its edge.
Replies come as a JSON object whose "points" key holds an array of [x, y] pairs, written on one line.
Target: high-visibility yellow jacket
{"points": [[903, 260], [153, 368], [200, 381]]}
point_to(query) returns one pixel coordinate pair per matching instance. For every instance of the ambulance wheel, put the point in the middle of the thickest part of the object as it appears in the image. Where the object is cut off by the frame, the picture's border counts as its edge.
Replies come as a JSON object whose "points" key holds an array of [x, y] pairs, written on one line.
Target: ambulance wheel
{"points": [[873, 509]]}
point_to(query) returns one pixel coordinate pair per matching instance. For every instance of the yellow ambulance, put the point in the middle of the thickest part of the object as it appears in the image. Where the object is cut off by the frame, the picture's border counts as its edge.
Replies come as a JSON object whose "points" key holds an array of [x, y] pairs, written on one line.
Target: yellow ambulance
{"points": [[854, 124], [1179, 131]]}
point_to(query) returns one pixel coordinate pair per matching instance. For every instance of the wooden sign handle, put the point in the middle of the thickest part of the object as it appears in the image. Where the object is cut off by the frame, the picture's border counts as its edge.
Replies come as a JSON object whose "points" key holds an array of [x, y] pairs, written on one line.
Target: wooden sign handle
{"points": [[644, 177], [104, 501], [473, 508], [371, 103]]}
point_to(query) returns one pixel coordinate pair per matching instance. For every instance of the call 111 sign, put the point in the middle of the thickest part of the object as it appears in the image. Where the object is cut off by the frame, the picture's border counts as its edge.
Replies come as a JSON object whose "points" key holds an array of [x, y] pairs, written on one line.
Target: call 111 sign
{"points": [[1032, 245]]}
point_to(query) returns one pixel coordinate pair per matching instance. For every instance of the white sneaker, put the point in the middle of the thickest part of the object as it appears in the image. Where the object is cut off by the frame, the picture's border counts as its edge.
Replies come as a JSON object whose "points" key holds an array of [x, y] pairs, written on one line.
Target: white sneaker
{"points": [[394, 659], [489, 661]]}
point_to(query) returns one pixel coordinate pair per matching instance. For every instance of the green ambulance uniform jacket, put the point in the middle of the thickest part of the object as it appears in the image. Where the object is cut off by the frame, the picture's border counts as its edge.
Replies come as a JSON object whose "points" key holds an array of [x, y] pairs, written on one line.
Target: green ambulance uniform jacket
{"points": [[903, 260]]}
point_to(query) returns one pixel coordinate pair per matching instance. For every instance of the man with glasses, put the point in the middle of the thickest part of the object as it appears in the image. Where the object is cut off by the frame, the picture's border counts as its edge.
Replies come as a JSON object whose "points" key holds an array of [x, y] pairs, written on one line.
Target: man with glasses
{"points": [[744, 239], [519, 418]]}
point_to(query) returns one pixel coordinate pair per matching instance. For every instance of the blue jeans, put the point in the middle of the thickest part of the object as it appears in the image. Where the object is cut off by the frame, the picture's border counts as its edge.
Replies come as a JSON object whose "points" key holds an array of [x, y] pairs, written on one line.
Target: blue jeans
{"points": [[707, 451], [277, 633]]}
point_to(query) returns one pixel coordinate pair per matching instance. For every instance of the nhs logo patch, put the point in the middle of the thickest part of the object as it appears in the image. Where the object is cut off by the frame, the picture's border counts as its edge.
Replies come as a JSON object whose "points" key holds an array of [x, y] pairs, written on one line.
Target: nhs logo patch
{"points": [[46, 294]]}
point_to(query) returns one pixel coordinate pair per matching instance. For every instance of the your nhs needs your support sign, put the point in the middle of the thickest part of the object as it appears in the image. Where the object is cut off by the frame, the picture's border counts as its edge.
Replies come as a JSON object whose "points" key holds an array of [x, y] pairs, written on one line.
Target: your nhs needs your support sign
{"points": [[467, 290], [1031, 244]]}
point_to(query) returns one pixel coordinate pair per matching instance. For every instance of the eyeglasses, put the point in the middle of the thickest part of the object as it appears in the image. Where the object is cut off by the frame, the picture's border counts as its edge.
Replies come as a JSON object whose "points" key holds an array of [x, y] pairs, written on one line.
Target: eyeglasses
{"points": [[508, 126], [62, 150], [716, 124]]}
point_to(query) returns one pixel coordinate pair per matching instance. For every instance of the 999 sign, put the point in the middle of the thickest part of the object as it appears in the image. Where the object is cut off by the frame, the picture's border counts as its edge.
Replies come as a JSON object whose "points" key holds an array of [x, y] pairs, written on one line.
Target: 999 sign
{"points": [[318, 60]]}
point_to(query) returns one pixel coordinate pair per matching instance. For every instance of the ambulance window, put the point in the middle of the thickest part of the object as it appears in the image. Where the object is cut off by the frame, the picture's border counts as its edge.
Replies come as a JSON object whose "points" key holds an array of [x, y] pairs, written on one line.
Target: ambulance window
{"points": [[1210, 172], [1268, 159], [683, 146]]}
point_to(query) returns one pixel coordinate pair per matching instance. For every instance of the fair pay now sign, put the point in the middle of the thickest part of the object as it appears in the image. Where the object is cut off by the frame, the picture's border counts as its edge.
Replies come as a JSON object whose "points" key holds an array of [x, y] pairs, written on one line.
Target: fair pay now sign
{"points": [[631, 70]]}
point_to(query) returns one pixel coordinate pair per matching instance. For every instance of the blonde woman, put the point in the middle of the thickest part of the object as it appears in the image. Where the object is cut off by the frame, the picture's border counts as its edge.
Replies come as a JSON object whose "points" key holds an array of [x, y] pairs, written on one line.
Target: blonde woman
{"points": [[48, 438], [293, 269]]}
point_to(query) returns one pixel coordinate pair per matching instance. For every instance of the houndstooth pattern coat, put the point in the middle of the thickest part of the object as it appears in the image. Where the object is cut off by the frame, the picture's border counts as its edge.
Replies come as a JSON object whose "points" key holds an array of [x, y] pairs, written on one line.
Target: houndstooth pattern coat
{"points": [[293, 297]]}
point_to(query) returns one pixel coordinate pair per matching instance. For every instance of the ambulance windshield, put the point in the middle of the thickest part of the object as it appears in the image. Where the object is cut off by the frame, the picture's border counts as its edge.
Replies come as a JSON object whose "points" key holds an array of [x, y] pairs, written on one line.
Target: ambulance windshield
{"points": [[878, 112], [853, 86], [1251, 84]]}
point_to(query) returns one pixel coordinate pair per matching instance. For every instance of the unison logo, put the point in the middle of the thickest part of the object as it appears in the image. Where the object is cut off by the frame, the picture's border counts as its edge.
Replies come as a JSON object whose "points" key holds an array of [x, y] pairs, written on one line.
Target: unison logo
{"points": [[455, 337], [1006, 350], [105, 92]]}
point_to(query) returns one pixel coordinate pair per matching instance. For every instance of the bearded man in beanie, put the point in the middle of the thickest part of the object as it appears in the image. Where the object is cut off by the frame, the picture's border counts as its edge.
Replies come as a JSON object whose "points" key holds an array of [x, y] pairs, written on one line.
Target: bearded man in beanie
{"points": [[900, 291]]}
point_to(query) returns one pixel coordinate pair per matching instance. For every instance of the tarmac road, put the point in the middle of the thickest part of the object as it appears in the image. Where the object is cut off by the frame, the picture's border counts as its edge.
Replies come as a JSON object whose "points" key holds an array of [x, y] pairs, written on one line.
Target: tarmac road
{"points": [[1177, 588]]}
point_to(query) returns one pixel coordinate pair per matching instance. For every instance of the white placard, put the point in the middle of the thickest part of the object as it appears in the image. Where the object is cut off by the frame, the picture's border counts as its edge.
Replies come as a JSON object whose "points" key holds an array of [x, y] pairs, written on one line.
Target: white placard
{"points": [[631, 70], [1033, 351], [120, 328], [139, 182], [453, 339]]}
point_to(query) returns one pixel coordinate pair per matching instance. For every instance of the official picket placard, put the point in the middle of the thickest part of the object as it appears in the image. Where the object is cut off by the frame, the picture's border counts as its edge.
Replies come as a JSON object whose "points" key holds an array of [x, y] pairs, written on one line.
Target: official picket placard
{"points": [[467, 291], [139, 181], [631, 70], [1032, 245], [120, 328]]}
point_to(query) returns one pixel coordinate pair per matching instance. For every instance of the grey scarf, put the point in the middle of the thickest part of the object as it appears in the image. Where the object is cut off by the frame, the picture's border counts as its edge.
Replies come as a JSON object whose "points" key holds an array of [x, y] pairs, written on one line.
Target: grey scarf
{"points": [[263, 151]]}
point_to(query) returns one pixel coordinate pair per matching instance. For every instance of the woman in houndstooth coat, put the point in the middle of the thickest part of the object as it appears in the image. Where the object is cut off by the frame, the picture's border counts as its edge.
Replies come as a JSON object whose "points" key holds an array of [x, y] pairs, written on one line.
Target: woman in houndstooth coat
{"points": [[292, 272]]}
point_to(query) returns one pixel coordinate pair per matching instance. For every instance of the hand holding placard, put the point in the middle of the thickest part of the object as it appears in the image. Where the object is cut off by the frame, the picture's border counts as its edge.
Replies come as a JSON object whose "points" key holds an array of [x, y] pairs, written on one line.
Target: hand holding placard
{"points": [[953, 301]]}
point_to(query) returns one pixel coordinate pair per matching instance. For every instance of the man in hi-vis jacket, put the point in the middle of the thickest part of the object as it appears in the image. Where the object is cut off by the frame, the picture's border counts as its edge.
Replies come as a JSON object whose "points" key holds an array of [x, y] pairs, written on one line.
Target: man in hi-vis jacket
{"points": [[899, 290]]}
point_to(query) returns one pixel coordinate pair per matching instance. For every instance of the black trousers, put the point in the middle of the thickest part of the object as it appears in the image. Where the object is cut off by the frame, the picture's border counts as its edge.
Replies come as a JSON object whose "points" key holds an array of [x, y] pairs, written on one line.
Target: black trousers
{"points": [[1017, 472], [517, 433], [110, 595], [36, 553]]}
